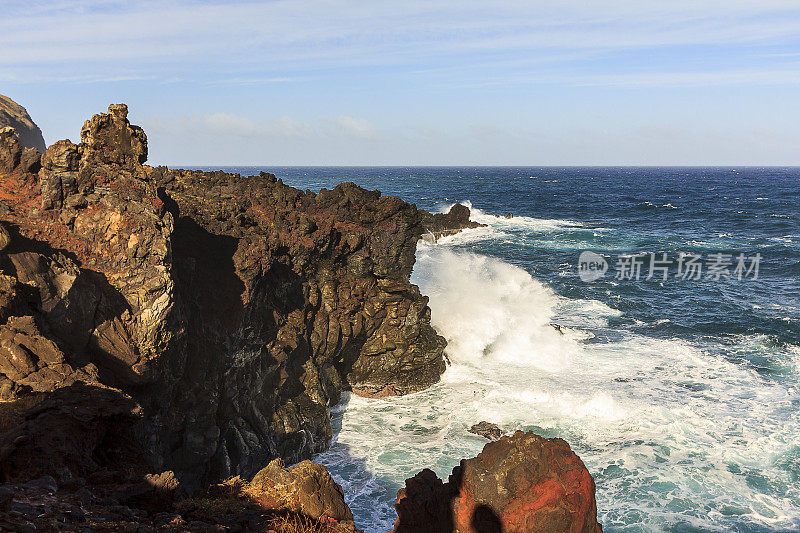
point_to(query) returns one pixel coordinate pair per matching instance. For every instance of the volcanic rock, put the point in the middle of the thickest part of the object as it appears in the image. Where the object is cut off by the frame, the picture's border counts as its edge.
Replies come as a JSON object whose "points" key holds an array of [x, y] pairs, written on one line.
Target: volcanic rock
{"points": [[305, 487], [235, 310], [82, 428], [201, 324], [14, 115], [10, 149], [58, 177], [443, 224], [520, 483], [111, 147], [487, 430]]}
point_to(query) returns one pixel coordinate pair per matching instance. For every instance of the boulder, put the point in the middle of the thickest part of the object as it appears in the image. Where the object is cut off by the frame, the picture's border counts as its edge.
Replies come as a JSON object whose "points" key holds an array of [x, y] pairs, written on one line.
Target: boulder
{"points": [[487, 430], [58, 177], [14, 115], [442, 224], [424, 505], [30, 161], [519, 483], [31, 362], [10, 149], [305, 488]]}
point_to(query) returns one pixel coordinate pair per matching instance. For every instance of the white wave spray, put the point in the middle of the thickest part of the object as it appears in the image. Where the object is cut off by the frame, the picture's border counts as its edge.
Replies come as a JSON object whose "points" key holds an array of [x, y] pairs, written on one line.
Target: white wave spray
{"points": [[673, 435]]}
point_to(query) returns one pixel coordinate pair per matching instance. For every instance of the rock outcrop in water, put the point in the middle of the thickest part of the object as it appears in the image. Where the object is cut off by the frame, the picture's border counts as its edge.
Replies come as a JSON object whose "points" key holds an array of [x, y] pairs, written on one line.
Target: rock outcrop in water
{"points": [[519, 483], [487, 430], [443, 224]]}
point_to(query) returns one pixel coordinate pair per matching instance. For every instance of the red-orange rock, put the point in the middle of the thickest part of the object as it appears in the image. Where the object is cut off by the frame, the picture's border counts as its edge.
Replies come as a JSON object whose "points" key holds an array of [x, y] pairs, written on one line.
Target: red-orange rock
{"points": [[305, 488], [520, 483]]}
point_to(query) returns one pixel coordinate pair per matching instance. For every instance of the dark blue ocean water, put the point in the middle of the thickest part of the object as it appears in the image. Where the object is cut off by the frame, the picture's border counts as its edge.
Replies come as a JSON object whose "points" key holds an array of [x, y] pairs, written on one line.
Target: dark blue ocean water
{"points": [[681, 395]]}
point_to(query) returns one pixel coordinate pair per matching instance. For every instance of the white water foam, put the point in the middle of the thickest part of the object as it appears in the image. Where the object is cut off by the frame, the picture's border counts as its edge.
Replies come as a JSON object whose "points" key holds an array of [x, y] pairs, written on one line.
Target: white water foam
{"points": [[518, 221], [674, 434]]}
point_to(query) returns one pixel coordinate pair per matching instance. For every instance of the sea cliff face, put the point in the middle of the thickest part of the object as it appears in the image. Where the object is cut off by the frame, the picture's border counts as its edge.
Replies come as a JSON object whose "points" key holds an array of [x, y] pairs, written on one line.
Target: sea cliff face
{"points": [[167, 333], [234, 310]]}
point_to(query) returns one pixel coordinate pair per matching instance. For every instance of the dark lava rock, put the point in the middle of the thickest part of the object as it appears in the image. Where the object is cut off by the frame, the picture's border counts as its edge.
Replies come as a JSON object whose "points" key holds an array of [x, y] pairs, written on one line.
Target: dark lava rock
{"points": [[10, 149], [443, 224], [7, 493], [47, 483], [76, 427], [487, 430], [233, 310], [520, 483]]}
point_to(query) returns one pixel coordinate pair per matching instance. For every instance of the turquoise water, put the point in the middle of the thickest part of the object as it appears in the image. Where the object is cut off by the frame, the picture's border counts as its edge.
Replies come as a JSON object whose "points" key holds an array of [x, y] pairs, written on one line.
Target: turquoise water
{"points": [[681, 396]]}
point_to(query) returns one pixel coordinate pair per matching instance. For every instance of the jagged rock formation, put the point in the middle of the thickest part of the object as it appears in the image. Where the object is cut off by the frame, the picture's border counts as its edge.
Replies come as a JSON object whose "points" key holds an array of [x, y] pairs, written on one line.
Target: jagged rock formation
{"points": [[487, 430], [162, 330], [233, 310], [443, 224], [15, 116], [519, 483]]}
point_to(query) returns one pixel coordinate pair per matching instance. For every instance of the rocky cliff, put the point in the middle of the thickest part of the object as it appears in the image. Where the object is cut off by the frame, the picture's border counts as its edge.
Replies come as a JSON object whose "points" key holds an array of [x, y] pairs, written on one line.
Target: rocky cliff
{"points": [[233, 310], [164, 330], [15, 116]]}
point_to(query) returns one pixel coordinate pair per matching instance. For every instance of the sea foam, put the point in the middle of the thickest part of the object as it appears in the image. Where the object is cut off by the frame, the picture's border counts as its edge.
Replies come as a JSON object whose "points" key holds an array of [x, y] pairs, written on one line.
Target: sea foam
{"points": [[675, 435]]}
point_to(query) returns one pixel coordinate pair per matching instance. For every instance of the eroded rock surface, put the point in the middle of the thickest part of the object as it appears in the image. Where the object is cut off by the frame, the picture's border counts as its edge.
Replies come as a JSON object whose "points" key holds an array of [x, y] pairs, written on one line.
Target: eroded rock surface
{"points": [[15, 116], [443, 224], [304, 488], [487, 430], [233, 310], [519, 483], [164, 330]]}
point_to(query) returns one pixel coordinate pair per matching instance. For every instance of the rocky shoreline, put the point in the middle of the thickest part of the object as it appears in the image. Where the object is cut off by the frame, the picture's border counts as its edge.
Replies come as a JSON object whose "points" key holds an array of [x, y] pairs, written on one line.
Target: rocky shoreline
{"points": [[170, 338]]}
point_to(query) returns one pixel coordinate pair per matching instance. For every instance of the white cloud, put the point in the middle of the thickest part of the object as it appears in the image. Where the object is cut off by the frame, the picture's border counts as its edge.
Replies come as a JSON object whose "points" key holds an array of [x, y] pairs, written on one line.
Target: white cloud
{"points": [[653, 79], [306, 34], [353, 127], [232, 125]]}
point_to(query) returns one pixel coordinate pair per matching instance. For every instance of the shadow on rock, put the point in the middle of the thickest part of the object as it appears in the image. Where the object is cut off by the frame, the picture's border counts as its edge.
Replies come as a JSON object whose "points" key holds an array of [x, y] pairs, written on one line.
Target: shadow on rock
{"points": [[519, 483]]}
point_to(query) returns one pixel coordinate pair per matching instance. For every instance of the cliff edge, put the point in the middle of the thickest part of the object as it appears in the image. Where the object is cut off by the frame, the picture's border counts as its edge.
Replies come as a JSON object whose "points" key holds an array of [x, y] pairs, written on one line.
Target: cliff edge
{"points": [[14, 115], [233, 310], [171, 333]]}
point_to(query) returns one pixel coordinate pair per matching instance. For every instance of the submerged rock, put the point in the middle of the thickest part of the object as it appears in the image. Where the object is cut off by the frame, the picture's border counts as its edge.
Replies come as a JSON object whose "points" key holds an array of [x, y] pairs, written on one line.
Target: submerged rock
{"points": [[487, 430], [520, 483]]}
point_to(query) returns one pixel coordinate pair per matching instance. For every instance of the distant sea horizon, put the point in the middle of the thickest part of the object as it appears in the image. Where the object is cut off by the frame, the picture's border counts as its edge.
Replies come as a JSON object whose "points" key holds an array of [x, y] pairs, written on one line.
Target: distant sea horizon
{"points": [[264, 166]]}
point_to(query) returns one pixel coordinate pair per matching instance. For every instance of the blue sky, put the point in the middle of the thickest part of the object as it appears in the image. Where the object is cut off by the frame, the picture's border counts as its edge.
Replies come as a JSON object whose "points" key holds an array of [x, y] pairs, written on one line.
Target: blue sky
{"points": [[418, 82]]}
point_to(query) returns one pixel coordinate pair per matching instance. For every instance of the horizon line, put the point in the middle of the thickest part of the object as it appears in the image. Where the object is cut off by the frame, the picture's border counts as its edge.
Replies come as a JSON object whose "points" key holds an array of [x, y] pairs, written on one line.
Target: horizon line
{"points": [[724, 166]]}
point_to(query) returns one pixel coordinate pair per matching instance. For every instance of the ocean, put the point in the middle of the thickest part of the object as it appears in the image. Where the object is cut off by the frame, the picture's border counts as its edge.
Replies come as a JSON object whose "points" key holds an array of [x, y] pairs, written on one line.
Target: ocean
{"points": [[680, 395]]}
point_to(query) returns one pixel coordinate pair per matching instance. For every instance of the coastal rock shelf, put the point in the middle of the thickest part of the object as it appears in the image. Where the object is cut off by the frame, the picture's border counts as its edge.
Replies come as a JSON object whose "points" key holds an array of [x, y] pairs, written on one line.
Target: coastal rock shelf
{"points": [[235, 310], [168, 333]]}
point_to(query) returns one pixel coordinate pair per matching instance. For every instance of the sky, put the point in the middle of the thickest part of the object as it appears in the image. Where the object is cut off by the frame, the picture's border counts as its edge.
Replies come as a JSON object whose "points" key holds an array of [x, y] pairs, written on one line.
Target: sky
{"points": [[432, 82]]}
